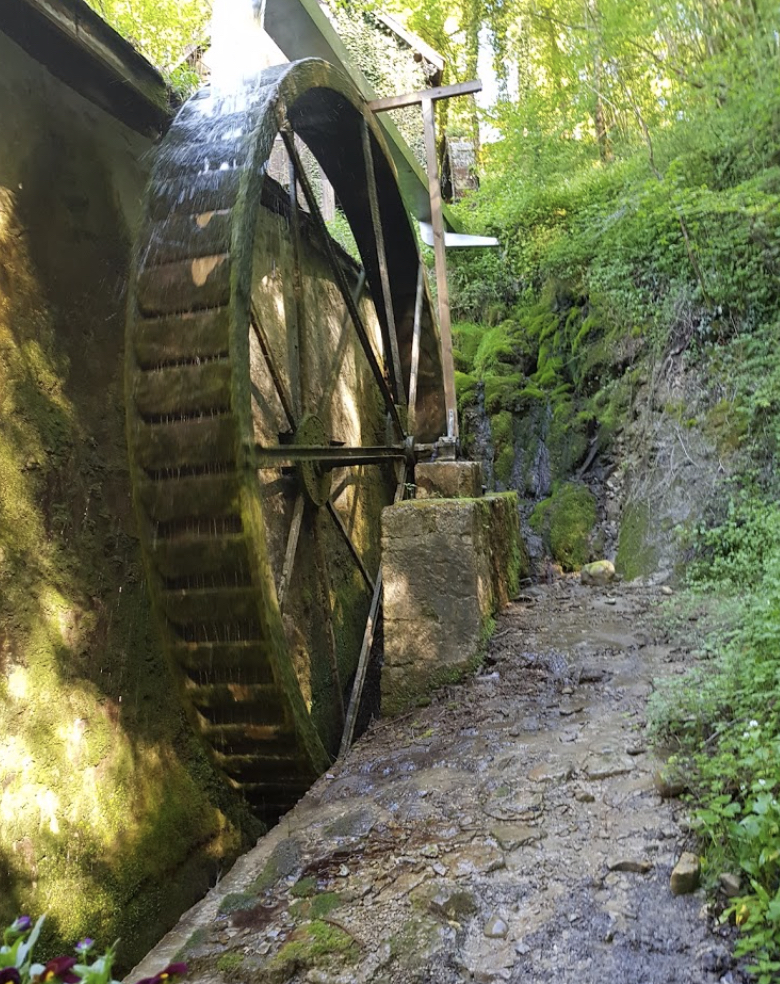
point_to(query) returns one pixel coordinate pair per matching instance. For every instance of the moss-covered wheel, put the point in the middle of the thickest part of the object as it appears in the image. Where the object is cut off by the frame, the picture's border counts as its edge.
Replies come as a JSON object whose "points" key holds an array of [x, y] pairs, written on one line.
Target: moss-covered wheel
{"points": [[267, 375]]}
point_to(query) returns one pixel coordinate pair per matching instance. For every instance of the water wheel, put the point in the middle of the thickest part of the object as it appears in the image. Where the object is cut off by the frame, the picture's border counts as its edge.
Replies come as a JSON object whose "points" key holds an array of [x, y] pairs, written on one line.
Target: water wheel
{"points": [[267, 380]]}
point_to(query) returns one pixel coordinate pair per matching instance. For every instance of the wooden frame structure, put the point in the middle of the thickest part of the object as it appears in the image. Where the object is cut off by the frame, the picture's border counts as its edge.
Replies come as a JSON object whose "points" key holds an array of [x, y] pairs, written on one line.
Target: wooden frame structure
{"points": [[426, 98]]}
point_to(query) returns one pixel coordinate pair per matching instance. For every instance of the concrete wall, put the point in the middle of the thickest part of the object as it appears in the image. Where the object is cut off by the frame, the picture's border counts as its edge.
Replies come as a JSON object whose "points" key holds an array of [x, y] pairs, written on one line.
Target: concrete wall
{"points": [[111, 818]]}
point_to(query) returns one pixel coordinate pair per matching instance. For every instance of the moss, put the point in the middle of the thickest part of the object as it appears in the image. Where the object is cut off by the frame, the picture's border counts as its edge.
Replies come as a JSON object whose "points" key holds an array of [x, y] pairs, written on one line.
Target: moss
{"points": [[417, 689], [313, 945], [566, 522], [636, 555], [728, 425], [230, 962], [501, 391], [304, 887], [283, 861], [465, 389], [237, 902], [318, 906]]}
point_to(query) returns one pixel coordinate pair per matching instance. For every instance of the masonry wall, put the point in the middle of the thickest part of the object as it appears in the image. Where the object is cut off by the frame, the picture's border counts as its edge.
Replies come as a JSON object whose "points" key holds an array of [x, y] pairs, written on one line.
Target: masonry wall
{"points": [[112, 820]]}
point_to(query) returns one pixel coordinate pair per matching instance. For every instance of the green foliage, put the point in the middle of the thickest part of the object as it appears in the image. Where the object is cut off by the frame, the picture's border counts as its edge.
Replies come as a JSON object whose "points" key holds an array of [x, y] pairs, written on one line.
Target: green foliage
{"points": [[725, 717], [162, 30]]}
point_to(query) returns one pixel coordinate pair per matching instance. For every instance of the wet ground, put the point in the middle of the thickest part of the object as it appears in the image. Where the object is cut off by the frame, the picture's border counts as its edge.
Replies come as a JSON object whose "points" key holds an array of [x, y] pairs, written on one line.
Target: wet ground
{"points": [[510, 831]]}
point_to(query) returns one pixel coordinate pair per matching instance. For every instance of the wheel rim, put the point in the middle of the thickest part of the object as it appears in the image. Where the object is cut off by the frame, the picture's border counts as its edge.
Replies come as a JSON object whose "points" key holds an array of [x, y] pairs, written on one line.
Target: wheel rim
{"points": [[242, 471]]}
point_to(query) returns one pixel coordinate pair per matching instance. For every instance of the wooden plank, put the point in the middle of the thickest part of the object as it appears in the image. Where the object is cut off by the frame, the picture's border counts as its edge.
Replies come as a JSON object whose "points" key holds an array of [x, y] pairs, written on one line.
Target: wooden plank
{"points": [[445, 325], [80, 48], [415, 98], [414, 41]]}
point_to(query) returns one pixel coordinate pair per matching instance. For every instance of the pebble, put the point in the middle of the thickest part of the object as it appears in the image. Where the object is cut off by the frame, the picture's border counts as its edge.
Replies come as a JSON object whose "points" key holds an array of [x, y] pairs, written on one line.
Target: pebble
{"points": [[630, 865], [668, 784], [496, 928], [686, 875], [730, 884]]}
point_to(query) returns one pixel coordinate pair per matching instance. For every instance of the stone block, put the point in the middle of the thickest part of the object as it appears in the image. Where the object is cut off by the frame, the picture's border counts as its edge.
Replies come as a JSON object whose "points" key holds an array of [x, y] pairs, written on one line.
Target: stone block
{"points": [[448, 565], [448, 480]]}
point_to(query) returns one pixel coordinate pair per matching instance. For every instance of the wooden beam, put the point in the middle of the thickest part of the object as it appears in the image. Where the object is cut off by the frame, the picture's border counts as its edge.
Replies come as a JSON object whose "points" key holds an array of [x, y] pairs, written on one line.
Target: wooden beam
{"points": [[437, 220], [75, 44], [415, 98]]}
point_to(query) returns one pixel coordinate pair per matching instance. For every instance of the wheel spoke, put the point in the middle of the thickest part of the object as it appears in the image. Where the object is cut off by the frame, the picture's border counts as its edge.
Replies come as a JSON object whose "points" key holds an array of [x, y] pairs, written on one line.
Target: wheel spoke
{"points": [[292, 546], [415, 350], [325, 586], [341, 280], [350, 544], [390, 334], [368, 641], [325, 456], [276, 378], [341, 351]]}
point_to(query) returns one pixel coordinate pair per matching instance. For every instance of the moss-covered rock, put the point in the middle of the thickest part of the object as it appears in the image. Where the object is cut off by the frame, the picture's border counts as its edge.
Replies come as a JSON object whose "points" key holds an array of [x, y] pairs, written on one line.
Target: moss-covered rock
{"points": [[637, 556], [566, 521]]}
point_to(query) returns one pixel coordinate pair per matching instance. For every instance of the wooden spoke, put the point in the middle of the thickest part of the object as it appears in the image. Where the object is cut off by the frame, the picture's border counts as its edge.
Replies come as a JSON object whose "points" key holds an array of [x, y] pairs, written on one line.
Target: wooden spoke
{"points": [[390, 335], [368, 641], [292, 546], [341, 280], [350, 544], [328, 610], [415, 350], [276, 378], [341, 351], [295, 330]]}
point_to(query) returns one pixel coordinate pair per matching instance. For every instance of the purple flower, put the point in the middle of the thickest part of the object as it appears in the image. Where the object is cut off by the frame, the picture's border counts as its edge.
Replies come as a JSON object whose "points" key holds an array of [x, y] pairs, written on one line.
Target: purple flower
{"points": [[21, 925], [85, 945], [10, 975], [59, 970], [172, 970]]}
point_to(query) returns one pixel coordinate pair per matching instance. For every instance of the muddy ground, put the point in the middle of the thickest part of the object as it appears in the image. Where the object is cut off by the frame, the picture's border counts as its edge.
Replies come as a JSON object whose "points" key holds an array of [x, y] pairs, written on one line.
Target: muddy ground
{"points": [[510, 831]]}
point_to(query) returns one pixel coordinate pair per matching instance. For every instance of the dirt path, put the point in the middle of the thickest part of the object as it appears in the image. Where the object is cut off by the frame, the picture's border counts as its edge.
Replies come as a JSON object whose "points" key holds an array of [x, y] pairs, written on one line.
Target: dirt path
{"points": [[510, 831]]}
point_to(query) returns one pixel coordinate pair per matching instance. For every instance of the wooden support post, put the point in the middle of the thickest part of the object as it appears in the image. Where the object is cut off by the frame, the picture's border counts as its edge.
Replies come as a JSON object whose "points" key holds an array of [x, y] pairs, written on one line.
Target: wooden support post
{"points": [[437, 221]]}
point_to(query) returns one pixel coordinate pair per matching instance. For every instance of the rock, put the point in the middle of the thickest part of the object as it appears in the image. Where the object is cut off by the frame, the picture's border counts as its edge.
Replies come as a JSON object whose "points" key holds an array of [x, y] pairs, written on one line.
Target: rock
{"points": [[454, 904], [686, 875], [731, 885], [666, 590], [512, 836], [583, 796], [606, 766], [592, 674], [668, 783], [550, 772], [598, 574], [630, 865], [496, 928]]}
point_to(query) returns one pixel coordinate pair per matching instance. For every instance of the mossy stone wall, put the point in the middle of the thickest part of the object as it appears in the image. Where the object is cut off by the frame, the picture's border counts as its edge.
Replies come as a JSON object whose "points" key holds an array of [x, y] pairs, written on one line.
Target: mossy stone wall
{"points": [[112, 820], [448, 566]]}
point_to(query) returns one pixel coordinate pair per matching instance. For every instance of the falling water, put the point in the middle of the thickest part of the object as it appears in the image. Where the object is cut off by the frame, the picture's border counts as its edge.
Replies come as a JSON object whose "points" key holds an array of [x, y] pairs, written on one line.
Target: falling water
{"points": [[240, 47]]}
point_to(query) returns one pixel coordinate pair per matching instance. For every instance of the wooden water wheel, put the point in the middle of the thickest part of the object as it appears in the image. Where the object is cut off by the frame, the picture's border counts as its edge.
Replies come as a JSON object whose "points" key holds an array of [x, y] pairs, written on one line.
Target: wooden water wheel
{"points": [[267, 381]]}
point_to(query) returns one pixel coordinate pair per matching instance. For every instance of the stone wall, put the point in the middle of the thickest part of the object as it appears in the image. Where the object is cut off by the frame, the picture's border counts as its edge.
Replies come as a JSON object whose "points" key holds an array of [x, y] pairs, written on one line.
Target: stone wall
{"points": [[448, 566], [111, 818]]}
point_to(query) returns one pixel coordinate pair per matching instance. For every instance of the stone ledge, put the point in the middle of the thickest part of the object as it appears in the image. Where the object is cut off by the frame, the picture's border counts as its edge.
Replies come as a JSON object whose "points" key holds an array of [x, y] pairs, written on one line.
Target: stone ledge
{"points": [[448, 566]]}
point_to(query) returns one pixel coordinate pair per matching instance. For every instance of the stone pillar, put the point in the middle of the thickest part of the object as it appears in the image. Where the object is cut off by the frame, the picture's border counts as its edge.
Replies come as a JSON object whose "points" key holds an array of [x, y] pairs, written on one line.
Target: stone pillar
{"points": [[448, 565]]}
